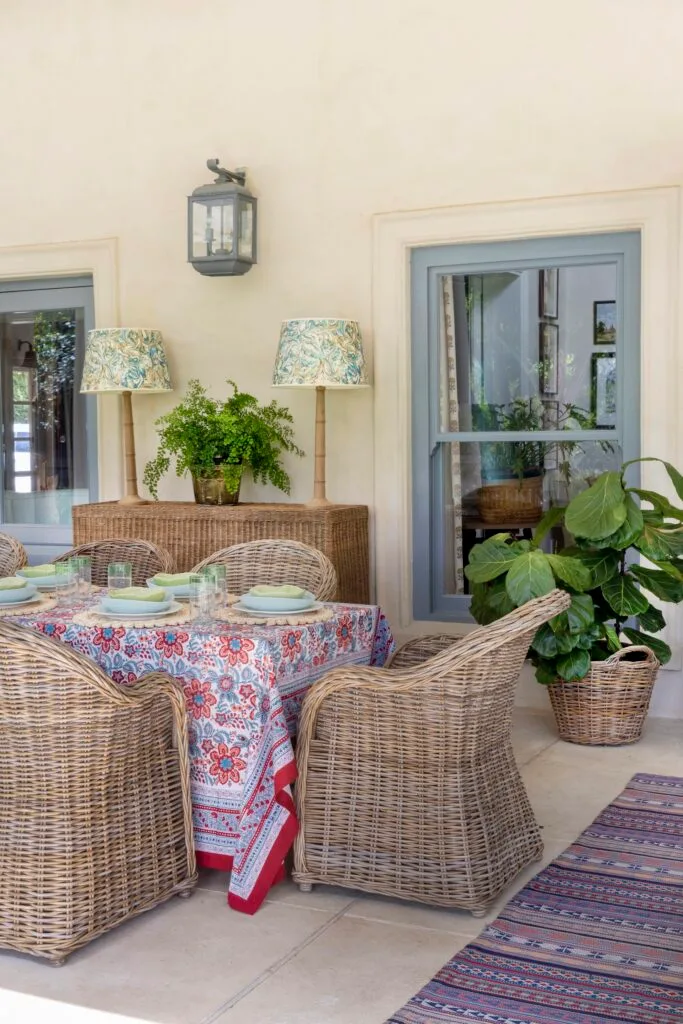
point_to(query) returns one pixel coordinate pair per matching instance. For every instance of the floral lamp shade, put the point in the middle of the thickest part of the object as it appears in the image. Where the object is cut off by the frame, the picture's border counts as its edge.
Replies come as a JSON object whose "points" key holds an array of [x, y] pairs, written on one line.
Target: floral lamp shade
{"points": [[323, 353], [125, 359]]}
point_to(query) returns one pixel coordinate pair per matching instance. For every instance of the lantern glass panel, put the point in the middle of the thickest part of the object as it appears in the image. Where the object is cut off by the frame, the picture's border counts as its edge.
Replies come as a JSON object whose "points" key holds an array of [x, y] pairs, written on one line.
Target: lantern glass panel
{"points": [[212, 229], [245, 241]]}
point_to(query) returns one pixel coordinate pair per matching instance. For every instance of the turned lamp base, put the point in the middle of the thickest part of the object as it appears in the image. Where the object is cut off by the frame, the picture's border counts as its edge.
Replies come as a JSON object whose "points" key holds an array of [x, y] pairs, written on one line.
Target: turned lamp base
{"points": [[131, 497]]}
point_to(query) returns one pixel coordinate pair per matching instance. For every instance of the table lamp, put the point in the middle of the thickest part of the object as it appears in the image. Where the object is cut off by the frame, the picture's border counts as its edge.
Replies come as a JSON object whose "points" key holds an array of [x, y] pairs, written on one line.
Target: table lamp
{"points": [[320, 353], [126, 359]]}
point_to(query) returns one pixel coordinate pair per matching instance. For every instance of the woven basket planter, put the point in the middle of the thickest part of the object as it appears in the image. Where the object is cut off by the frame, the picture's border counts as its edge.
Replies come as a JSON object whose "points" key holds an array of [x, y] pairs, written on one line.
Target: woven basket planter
{"points": [[609, 706], [520, 501]]}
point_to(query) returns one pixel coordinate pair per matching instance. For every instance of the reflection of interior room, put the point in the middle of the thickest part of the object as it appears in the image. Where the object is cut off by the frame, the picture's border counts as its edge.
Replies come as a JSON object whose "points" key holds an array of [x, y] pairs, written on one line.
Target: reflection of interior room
{"points": [[45, 465], [523, 351]]}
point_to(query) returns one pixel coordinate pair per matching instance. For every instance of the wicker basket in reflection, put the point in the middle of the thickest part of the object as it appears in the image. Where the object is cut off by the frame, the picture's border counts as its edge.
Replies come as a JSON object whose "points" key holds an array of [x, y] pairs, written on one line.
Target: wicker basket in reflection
{"points": [[519, 501], [609, 706]]}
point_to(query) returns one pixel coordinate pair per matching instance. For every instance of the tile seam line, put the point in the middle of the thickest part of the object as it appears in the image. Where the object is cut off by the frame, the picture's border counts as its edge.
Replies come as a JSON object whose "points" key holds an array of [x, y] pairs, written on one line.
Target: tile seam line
{"points": [[272, 970]]}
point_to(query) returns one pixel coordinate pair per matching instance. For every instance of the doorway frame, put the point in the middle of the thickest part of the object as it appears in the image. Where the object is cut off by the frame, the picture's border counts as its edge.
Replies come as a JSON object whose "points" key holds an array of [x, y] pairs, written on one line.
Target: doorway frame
{"points": [[654, 212]]}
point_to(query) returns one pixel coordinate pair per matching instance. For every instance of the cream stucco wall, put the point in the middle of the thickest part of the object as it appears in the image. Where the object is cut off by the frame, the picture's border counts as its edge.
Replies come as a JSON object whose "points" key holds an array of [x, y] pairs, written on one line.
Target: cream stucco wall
{"points": [[342, 110]]}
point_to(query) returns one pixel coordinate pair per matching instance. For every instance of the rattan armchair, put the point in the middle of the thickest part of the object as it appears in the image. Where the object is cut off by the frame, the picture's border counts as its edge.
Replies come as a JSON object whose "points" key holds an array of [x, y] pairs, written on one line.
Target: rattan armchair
{"points": [[276, 562], [407, 785], [147, 559], [95, 813], [12, 555]]}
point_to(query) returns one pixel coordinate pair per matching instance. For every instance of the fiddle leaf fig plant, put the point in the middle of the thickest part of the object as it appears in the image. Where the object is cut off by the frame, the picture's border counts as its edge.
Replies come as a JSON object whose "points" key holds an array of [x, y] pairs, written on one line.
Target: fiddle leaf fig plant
{"points": [[611, 525]]}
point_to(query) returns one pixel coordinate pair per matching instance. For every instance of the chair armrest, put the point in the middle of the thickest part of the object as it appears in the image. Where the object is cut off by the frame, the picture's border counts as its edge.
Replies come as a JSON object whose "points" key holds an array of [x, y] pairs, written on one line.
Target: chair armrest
{"points": [[415, 651], [158, 684]]}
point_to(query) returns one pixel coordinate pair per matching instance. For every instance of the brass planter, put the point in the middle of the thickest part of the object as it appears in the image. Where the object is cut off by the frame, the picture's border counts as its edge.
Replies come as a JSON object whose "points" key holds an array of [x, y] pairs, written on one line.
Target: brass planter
{"points": [[211, 490]]}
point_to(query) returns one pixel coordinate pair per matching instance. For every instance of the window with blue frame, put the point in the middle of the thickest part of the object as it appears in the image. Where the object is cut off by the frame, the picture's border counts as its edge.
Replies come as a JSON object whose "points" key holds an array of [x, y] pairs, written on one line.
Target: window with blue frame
{"points": [[525, 382]]}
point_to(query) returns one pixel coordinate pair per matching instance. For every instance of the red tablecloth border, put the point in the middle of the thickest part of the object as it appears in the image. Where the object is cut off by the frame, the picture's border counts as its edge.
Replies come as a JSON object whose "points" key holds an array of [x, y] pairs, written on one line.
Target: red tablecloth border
{"points": [[274, 868]]}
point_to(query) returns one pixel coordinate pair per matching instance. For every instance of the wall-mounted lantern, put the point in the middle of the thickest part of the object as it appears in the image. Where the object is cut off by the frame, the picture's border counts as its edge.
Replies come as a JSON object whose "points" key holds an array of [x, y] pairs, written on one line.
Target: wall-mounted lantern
{"points": [[222, 224]]}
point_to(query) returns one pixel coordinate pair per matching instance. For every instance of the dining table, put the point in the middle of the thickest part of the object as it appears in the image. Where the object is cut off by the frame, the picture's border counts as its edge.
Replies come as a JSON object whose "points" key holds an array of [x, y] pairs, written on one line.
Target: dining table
{"points": [[244, 683]]}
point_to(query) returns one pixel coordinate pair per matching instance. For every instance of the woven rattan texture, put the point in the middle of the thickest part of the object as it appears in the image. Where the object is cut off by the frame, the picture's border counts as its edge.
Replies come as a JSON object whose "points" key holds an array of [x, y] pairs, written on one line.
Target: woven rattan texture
{"points": [[303, 619], [518, 500], [276, 562], [147, 559], [192, 532], [95, 814], [609, 706], [407, 784], [12, 555]]}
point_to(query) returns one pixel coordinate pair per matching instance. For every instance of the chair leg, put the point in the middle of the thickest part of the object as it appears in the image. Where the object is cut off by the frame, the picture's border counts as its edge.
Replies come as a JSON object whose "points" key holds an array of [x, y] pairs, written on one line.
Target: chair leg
{"points": [[478, 913], [305, 887], [185, 894]]}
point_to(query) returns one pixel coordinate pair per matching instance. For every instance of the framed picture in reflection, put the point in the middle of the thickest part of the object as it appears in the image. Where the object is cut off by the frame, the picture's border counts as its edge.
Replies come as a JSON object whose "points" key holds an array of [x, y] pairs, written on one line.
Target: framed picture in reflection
{"points": [[548, 339], [605, 323], [604, 388], [548, 288]]}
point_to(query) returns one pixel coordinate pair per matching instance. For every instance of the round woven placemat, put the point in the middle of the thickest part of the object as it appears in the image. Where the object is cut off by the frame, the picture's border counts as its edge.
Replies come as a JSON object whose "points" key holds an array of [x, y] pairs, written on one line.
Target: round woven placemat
{"points": [[301, 619], [94, 618], [45, 604]]}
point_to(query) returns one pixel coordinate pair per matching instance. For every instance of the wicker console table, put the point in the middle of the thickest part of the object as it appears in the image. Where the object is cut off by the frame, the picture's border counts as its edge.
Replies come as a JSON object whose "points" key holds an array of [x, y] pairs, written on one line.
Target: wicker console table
{"points": [[191, 532]]}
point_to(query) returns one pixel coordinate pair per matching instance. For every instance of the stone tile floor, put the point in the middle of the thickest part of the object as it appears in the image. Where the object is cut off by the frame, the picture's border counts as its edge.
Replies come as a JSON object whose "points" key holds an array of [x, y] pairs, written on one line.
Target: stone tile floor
{"points": [[328, 957]]}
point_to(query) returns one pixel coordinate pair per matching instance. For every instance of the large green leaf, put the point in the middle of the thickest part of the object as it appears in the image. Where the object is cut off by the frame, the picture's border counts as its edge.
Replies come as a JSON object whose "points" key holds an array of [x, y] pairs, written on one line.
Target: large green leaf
{"points": [[659, 583], [675, 477], [602, 565], [652, 619], [599, 510], [574, 665], [630, 529], [490, 602], [660, 542], [660, 650], [492, 560], [612, 638], [544, 642], [546, 672], [529, 576], [623, 596], [551, 518], [581, 613], [571, 571], [479, 550], [566, 642], [579, 616], [659, 503]]}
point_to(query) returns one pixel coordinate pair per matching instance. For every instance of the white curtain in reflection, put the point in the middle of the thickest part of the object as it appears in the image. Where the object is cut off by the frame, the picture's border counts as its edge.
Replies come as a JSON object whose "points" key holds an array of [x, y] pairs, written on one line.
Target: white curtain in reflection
{"points": [[450, 418]]}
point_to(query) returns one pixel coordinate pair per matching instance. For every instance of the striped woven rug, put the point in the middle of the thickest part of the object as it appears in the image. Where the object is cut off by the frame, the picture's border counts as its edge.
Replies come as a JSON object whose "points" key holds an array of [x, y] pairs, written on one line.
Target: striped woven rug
{"points": [[597, 936]]}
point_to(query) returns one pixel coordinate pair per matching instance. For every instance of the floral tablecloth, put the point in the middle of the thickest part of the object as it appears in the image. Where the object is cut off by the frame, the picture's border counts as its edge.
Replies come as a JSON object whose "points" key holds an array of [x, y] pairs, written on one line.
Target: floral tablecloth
{"points": [[244, 687]]}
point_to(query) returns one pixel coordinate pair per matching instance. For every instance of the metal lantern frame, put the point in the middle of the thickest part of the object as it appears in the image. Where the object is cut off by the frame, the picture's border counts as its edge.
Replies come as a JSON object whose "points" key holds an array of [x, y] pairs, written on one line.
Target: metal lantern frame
{"points": [[228, 191]]}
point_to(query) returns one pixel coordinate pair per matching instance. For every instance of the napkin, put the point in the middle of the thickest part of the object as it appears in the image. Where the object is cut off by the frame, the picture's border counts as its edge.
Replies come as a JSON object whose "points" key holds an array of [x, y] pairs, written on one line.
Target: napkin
{"points": [[172, 579], [11, 583], [137, 594], [36, 571], [284, 591]]}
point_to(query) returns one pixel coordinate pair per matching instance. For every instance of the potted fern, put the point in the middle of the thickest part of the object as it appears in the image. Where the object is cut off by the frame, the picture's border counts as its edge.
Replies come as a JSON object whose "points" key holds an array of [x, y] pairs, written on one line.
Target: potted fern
{"points": [[218, 441], [599, 659]]}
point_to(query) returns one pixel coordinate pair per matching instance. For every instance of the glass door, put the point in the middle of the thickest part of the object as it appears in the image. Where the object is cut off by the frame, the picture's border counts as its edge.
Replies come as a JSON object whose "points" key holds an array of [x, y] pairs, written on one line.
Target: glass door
{"points": [[49, 450]]}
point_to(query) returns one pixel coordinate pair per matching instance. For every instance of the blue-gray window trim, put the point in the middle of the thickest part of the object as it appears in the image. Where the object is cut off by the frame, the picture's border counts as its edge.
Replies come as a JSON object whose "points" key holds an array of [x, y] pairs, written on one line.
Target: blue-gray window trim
{"points": [[428, 264]]}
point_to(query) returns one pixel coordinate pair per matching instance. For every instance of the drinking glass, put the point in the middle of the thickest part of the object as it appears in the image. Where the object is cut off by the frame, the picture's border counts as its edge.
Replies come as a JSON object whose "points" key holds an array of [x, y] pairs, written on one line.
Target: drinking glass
{"points": [[82, 566], [219, 574], [202, 598], [65, 582], [119, 575]]}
